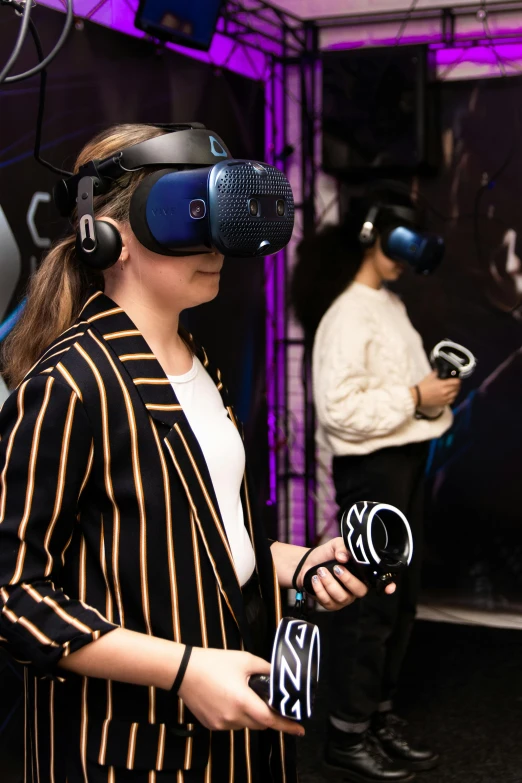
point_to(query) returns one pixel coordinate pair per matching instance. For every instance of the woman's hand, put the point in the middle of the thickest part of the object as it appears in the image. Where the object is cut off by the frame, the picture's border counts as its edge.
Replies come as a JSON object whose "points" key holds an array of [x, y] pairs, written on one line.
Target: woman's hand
{"points": [[436, 392], [328, 592], [215, 689]]}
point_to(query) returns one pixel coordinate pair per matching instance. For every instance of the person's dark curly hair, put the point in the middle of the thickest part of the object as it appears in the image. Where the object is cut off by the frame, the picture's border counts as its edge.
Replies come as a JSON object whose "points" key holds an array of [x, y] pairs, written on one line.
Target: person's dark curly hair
{"points": [[328, 262]]}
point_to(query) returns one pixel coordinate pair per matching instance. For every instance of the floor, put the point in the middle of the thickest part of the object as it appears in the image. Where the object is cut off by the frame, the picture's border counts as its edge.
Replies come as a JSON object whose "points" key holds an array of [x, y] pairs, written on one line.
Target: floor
{"points": [[462, 694]]}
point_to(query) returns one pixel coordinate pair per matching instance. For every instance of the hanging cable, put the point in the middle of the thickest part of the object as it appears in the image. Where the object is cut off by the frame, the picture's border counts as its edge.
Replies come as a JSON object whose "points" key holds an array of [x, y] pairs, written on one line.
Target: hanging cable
{"points": [[22, 33], [482, 16], [41, 108], [24, 27], [405, 22]]}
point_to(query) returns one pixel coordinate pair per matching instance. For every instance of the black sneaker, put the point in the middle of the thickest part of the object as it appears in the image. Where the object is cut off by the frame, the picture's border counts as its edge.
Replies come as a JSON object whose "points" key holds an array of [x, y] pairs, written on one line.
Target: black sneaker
{"points": [[362, 758], [389, 730]]}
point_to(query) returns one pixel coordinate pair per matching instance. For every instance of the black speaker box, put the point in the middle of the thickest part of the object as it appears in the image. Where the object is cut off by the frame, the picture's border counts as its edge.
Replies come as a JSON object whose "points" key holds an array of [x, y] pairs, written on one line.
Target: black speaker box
{"points": [[380, 113]]}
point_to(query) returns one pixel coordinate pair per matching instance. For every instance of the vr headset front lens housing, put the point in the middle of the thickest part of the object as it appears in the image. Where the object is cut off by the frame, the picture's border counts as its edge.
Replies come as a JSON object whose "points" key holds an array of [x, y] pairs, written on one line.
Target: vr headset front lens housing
{"points": [[190, 210]]}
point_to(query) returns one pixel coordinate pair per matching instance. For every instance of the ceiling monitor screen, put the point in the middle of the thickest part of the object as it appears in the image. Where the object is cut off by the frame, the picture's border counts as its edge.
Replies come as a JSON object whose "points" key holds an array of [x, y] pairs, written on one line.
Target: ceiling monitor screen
{"points": [[187, 22]]}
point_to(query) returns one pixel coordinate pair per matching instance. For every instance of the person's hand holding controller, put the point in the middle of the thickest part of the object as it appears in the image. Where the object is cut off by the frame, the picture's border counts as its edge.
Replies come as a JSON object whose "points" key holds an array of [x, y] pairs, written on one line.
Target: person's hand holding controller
{"points": [[215, 689], [435, 392]]}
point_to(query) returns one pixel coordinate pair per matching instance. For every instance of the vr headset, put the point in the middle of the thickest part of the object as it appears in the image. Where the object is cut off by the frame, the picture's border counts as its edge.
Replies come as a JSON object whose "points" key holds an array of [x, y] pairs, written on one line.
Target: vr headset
{"points": [[201, 199], [400, 241]]}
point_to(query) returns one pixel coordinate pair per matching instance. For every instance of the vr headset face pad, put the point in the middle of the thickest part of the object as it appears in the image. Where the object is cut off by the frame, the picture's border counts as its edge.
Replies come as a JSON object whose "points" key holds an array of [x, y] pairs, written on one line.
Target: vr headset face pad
{"points": [[240, 208]]}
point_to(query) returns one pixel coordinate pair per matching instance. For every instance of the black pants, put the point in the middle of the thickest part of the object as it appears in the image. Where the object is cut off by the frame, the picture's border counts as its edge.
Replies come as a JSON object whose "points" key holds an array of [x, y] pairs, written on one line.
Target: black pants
{"points": [[369, 638]]}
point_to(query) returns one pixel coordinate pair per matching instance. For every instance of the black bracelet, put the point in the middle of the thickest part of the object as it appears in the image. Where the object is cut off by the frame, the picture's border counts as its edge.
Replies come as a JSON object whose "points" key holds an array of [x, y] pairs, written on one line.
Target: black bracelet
{"points": [[297, 570], [182, 669]]}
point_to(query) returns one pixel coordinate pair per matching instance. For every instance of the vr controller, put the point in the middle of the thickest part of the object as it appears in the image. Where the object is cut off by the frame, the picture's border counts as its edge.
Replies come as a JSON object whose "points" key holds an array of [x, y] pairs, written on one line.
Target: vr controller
{"points": [[290, 688], [378, 537], [452, 360]]}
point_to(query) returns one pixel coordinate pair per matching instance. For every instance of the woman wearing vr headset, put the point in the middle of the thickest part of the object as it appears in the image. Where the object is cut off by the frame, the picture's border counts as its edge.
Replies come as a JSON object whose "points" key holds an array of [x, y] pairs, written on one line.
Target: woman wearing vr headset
{"points": [[138, 587], [378, 405]]}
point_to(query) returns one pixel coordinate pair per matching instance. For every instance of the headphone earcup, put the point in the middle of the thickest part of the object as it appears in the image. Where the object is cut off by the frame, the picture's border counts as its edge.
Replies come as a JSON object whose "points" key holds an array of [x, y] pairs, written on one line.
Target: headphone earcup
{"points": [[108, 247]]}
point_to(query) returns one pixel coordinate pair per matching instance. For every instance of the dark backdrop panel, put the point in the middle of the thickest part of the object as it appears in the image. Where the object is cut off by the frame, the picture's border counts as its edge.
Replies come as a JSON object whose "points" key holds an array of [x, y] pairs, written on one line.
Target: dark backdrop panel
{"points": [[103, 78], [475, 478]]}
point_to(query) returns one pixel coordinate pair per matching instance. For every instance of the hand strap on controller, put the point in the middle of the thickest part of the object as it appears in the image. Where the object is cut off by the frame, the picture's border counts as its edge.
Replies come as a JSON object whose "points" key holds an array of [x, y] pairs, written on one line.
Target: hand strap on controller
{"points": [[299, 595]]}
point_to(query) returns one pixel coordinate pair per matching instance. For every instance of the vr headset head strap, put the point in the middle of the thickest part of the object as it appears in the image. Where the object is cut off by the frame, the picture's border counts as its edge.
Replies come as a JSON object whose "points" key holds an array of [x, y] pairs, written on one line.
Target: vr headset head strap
{"points": [[187, 145], [407, 214], [194, 147]]}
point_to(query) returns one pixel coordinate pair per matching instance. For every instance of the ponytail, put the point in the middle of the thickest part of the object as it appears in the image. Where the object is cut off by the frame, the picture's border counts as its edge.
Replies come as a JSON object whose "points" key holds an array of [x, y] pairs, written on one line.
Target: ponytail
{"points": [[58, 288], [54, 299]]}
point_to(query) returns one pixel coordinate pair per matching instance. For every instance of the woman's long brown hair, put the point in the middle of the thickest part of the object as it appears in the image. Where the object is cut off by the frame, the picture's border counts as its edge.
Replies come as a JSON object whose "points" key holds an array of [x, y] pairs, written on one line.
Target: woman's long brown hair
{"points": [[58, 288]]}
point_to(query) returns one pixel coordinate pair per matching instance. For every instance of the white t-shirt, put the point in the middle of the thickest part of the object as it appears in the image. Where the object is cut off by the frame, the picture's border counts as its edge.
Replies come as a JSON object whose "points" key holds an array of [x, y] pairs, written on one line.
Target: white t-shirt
{"points": [[224, 454]]}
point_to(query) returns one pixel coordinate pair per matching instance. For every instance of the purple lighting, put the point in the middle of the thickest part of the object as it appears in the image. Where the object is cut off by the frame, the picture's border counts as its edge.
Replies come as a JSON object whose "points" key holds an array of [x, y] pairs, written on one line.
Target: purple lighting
{"points": [[245, 59], [252, 58], [275, 289], [487, 53]]}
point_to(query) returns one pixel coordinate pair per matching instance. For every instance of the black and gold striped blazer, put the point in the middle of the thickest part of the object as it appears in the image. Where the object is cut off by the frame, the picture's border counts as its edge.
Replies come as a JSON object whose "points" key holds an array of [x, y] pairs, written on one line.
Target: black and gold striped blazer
{"points": [[108, 518]]}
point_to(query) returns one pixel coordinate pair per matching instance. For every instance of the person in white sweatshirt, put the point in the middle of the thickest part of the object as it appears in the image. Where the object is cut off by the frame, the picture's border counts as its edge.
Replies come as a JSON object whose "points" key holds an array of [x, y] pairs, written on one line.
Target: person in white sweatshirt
{"points": [[378, 405]]}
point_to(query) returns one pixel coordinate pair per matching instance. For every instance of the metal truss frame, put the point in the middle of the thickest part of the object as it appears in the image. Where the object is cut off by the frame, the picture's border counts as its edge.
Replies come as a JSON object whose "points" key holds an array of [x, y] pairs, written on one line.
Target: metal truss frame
{"points": [[290, 46], [291, 137], [281, 50], [437, 11], [292, 49], [452, 21]]}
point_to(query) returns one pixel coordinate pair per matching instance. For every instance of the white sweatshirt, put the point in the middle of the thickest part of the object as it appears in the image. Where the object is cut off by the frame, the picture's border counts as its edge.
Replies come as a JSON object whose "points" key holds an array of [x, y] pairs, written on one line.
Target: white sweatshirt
{"points": [[366, 357]]}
